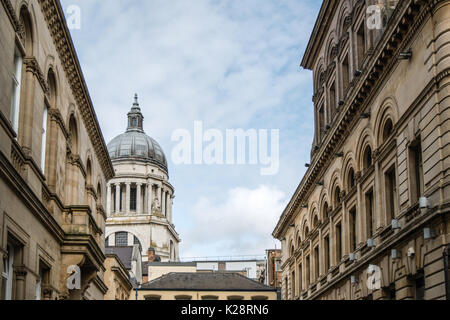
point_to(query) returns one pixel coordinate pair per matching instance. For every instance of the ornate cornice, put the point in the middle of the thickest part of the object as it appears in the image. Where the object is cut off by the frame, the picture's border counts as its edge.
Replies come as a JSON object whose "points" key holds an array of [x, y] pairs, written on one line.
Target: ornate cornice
{"points": [[55, 115], [9, 9], [407, 19], [54, 17]]}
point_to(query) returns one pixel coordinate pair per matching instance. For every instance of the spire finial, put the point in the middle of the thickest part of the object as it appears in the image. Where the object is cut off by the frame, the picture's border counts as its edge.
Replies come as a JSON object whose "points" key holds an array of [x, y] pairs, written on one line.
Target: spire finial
{"points": [[136, 99]]}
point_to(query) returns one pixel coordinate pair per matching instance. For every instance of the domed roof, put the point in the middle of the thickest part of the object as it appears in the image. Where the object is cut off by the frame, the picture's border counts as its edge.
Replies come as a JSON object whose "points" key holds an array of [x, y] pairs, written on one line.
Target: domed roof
{"points": [[134, 144]]}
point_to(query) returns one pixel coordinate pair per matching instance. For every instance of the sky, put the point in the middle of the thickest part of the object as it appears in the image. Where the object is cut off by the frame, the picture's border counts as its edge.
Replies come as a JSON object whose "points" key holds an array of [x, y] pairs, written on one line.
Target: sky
{"points": [[231, 64]]}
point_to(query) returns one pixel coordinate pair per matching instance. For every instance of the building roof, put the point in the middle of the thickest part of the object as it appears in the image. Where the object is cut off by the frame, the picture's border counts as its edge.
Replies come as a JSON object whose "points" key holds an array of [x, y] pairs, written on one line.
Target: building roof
{"points": [[124, 253], [134, 144], [210, 281]]}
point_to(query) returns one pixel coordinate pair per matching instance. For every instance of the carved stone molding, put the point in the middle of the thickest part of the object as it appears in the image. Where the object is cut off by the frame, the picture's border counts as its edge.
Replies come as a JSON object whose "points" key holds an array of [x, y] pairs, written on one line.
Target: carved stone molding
{"points": [[63, 42], [11, 14], [32, 66]]}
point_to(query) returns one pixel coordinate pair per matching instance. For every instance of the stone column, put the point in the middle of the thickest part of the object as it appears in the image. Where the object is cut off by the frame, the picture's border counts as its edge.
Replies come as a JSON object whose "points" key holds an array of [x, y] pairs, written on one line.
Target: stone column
{"points": [[108, 200], [127, 197], [138, 198], [117, 198], [170, 207]]}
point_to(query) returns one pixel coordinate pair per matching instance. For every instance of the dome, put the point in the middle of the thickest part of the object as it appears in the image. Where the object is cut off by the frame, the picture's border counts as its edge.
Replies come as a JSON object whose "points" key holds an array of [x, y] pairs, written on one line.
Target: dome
{"points": [[134, 144]]}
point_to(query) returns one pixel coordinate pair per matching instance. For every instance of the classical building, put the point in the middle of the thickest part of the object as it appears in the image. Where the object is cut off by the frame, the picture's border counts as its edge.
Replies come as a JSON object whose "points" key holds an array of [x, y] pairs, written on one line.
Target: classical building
{"points": [[139, 197], [54, 162], [273, 273], [370, 218], [220, 285]]}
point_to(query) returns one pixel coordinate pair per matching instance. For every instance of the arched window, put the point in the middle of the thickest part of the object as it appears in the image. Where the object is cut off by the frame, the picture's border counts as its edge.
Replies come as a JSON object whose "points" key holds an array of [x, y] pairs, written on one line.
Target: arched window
{"points": [[306, 231], [326, 210], [89, 173], [299, 240], [367, 157], [337, 197], [73, 130], [387, 130], [292, 249], [99, 194], [351, 179], [26, 36], [315, 221]]}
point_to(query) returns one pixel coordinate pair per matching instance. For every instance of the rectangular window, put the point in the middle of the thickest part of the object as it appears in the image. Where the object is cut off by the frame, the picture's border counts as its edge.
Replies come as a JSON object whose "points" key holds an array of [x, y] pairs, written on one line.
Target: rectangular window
{"points": [[44, 139], [16, 82], [345, 73], [369, 214], [133, 198], [7, 275], [353, 232], [391, 194], [361, 45], [308, 272], [121, 239], [300, 274], [321, 122], [44, 279], [316, 263], [333, 100], [419, 287], [416, 170], [327, 253], [293, 284], [278, 265], [338, 243]]}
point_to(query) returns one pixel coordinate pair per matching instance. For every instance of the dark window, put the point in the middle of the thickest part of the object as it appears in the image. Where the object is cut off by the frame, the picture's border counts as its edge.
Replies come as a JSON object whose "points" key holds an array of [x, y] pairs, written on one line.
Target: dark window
{"points": [[293, 284], [419, 287], [351, 179], [345, 73], [391, 194], [338, 243], [321, 114], [333, 99], [316, 263], [133, 198], [121, 239], [370, 216], [327, 253], [416, 170], [367, 157], [392, 292], [300, 273], [308, 272], [353, 230], [337, 197], [361, 45], [326, 210], [387, 130]]}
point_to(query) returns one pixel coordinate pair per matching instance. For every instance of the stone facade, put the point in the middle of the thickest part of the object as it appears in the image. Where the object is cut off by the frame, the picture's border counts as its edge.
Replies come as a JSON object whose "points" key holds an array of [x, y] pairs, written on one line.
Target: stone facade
{"points": [[117, 279], [370, 218], [54, 163], [140, 197]]}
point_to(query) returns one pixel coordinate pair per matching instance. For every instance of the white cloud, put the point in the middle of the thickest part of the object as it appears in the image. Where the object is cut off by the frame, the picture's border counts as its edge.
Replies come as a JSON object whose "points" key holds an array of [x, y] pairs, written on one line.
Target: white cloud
{"points": [[241, 224]]}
